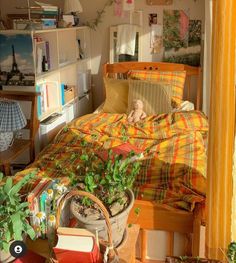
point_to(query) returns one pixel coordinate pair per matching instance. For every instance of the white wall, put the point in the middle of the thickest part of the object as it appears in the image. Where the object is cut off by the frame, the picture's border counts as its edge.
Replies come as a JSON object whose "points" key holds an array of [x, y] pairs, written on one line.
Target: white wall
{"points": [[100, 37]]}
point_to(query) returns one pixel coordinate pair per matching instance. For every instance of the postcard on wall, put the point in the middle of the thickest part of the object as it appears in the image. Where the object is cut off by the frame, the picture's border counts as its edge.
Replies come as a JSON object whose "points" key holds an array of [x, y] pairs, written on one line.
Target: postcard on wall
{"points": [[175, 28], [118, 10], [16, 60], [156, 39]]}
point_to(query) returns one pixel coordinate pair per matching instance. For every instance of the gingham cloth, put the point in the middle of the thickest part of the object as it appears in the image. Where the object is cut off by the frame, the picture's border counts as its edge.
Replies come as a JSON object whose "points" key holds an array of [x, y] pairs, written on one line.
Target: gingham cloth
{"points": [[173, 172], [11, 116]]}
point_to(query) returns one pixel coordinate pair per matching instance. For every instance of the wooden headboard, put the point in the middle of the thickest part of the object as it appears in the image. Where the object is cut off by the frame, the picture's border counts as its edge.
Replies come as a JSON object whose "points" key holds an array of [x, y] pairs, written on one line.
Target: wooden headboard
{"points": [[113, 70]]}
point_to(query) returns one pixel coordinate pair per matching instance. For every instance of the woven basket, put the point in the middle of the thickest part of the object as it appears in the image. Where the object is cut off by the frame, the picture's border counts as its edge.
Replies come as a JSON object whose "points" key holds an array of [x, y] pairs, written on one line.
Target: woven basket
{"points": [[106, 247]]}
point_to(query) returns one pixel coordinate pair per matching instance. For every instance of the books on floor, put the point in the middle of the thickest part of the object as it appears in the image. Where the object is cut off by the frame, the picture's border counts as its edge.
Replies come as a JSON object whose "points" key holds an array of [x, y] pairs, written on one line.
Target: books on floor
{"points": [[76, 243]]}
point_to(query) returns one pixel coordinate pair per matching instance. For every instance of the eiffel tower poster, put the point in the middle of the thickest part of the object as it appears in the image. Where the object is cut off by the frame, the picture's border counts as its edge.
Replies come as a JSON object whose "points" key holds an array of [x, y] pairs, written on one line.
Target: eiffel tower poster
{"points": [[16, 60]]}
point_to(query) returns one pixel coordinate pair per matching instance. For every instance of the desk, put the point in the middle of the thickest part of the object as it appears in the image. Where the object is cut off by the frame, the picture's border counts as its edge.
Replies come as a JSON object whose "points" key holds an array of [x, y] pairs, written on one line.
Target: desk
{"points": [[126, 251]]}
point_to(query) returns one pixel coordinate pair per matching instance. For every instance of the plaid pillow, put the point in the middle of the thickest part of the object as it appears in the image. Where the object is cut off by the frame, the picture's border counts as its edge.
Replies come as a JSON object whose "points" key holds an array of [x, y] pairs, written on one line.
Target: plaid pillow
{"points": [[175, 78]]}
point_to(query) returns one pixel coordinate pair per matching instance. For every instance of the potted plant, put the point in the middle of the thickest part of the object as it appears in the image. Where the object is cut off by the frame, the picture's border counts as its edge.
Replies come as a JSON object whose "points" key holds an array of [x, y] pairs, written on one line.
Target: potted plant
{"points": [[231, 252], [14, 214], [110, 178]]}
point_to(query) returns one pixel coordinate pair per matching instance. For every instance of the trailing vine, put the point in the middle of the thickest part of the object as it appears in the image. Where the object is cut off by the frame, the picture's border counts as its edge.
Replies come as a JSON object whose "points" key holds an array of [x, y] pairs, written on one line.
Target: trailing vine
{"points": [[93, 24]]}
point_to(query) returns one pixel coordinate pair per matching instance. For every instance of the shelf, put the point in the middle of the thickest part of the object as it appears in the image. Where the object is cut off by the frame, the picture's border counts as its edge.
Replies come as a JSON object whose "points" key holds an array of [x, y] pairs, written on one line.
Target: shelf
{"points": [[53, 71], [67, 63], [60, 29], [40, 42], [48, 113]]}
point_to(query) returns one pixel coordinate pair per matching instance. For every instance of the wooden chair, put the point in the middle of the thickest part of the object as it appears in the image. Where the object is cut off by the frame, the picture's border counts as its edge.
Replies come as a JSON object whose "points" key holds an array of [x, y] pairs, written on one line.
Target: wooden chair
{"points": [[21, 145]]}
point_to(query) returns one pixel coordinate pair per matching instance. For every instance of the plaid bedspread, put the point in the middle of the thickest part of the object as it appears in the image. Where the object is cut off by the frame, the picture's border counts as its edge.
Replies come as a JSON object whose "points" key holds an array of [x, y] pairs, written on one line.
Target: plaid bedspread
{"points": [[173, 172]]}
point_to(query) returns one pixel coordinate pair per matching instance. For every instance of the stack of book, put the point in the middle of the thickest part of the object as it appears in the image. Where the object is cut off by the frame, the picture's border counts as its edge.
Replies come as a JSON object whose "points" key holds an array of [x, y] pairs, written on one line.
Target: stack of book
{"points": [[48, 14], [43, 201]]}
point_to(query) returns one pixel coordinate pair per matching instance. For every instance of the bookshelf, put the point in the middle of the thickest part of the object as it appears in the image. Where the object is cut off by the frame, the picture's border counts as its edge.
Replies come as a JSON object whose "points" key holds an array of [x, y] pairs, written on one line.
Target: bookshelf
{"points": [[68, 56]]}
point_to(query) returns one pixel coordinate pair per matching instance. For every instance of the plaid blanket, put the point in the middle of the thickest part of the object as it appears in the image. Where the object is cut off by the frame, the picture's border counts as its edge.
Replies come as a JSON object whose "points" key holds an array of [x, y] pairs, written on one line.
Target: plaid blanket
{"points": [[173, 171]]}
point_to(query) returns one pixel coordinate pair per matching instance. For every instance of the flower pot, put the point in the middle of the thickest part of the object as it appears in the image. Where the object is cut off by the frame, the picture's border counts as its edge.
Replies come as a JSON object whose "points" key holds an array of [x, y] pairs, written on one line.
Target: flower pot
{"points": [[118, 222], [6, 257]]}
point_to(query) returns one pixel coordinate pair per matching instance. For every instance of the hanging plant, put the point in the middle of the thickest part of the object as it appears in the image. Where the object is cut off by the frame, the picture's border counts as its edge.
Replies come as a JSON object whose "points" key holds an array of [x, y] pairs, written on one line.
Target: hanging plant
{"points": [[93, 24]]}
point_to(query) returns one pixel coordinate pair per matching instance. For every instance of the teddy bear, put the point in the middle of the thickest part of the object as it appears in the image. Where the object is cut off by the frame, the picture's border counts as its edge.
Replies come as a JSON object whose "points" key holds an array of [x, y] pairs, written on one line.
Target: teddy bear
{"points": [[137, 113]]}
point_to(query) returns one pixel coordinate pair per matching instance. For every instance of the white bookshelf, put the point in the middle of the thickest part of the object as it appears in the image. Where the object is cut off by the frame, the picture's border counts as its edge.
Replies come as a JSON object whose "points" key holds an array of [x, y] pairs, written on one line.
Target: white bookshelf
{"points": [[65, 65]]}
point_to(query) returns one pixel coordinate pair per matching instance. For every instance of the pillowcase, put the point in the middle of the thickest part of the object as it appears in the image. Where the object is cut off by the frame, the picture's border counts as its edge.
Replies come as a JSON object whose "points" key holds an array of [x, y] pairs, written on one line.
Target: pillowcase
{"points": [[156, 97], [175, 78], [116, 95]]}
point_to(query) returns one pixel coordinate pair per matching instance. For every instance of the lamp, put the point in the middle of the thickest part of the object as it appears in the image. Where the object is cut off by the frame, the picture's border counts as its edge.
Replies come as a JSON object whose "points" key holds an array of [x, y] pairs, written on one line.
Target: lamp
{"points": [[11, 119], [73, 7]]}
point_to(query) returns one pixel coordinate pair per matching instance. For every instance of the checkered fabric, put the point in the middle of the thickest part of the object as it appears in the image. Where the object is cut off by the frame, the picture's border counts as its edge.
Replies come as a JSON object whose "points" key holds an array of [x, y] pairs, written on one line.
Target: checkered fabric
{"points": [[11, 116], [175, 78], [173, 172]]}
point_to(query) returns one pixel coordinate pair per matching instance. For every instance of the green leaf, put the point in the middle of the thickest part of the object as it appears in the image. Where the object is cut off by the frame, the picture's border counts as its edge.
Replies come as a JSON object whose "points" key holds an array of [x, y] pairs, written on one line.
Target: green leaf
{"points": [[17, 187], [7, 187], [8, 235], [1, 176], [17, 226], [29, 230], [137, 211], [5, 245]]}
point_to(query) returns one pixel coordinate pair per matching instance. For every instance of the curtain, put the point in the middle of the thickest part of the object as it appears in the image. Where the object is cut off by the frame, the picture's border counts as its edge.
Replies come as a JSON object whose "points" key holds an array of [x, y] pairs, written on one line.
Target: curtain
{"points": [[221, 133]]}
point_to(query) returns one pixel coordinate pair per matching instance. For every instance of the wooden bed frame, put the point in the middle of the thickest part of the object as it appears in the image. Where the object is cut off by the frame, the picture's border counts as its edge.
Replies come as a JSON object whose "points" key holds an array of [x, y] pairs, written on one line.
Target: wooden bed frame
{"points": [[154, 216], [123, 67]]}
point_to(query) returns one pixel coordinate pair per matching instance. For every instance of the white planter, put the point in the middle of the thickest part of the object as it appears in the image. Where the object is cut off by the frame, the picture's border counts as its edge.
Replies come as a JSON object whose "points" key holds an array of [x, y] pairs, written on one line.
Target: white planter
{"points": [[118, 223], [6, 257]]}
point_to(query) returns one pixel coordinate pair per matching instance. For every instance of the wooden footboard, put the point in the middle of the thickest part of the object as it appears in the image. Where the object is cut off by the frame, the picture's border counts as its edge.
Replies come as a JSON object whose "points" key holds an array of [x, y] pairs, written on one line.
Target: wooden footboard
{"points": [[160, 217]]}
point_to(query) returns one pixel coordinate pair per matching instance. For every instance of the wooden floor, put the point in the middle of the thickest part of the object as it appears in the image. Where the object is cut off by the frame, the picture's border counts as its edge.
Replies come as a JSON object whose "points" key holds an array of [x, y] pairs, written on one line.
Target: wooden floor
{"points": [[149, 261]]}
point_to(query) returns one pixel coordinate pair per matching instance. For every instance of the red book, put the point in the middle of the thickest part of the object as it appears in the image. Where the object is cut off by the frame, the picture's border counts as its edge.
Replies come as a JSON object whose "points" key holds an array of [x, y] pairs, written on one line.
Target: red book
{"points": [[123, 149], [78, 244], [30, 257]]}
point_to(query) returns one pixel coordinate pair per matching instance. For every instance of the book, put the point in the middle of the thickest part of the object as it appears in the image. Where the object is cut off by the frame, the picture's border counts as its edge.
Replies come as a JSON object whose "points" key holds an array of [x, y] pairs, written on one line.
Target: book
{"points": [[32, 200], [79, 244], [47, 49]]}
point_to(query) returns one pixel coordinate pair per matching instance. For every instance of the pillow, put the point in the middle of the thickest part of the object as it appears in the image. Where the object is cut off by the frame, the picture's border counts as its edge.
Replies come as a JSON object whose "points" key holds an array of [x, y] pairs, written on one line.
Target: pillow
{"points": [[116, 95], [156, 97], [175, 78]]}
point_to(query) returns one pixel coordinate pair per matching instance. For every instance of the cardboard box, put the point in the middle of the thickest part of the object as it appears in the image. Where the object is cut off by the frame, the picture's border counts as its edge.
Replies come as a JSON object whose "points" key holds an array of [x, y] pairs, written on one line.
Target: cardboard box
{"points": [[69, 93]]}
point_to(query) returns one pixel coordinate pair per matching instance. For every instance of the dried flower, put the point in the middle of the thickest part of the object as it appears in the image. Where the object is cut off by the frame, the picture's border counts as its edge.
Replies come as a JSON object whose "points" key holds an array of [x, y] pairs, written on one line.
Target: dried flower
{"points": [[40, 216], [51, 220], [50, 194]]}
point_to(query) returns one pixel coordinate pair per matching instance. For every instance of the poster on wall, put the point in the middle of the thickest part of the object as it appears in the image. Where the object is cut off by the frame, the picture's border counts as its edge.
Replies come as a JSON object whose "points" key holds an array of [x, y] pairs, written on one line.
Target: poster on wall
{"points": [[190, 55], [175, 28], [156, 39], [16, 60]]}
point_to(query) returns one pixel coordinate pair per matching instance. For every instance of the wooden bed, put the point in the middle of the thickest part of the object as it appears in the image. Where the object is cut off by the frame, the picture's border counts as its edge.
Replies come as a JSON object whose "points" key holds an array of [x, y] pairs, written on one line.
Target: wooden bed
{"points": [[154, 216]]}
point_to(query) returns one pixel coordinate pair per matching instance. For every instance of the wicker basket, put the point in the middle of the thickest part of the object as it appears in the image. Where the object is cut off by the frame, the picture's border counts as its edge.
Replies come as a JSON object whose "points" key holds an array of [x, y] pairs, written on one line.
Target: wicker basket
{"points": [[106, 247]]}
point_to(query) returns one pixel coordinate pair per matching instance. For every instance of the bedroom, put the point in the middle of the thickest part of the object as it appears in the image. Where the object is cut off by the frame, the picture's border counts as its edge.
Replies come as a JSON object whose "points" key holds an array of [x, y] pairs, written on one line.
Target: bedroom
{"points": [[101, 55]]}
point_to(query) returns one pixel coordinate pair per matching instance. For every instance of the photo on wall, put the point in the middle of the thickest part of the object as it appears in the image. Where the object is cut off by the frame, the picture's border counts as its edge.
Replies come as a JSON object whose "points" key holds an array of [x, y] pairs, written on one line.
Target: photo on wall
{"points": [[152, 19], [16, 60], [190, 55]]}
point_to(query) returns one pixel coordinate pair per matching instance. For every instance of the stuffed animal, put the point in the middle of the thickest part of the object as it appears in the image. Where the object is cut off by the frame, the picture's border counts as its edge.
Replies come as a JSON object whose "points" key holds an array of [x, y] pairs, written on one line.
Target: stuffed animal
{"points": [[137, 113]]}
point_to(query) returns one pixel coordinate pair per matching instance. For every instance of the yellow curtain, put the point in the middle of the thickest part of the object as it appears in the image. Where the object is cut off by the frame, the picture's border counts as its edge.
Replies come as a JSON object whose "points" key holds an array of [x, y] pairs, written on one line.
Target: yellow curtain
{"points": [[221, 134]]}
